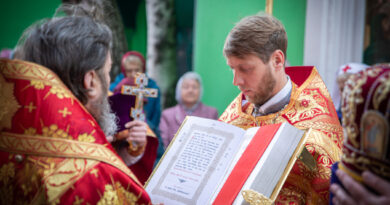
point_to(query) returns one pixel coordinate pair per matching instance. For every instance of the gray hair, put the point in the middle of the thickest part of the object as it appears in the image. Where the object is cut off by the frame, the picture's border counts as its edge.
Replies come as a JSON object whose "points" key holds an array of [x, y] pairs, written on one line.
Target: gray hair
{"points": [[69, 46], [188, 75]]}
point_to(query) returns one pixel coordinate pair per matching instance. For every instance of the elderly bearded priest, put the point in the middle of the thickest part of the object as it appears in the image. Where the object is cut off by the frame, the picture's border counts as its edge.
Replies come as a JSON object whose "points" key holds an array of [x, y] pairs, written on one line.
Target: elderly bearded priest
{"points": [[55, 118]]}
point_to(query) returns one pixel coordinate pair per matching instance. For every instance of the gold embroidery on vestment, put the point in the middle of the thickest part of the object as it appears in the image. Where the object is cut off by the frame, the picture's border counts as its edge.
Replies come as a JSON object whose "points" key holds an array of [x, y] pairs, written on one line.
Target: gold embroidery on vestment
{"points": [[8, 103], [116, 194]]}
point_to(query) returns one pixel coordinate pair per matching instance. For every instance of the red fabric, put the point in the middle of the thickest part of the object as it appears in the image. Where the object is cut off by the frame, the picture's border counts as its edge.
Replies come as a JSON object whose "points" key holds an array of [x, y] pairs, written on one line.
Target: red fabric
{"points": [[144, 167], [299, 74], [46, 108], [133, 53], [246, 164]]}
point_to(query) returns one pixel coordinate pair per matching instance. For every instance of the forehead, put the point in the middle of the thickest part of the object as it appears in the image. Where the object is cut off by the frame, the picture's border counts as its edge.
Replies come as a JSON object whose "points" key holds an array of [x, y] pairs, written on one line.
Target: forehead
{"points": [[133, 58], [190, 81], [250, 59], [132, 65]]}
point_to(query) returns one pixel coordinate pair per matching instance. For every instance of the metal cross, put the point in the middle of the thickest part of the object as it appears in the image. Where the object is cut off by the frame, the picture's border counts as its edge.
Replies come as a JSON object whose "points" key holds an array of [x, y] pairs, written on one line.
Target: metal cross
{"points": [[139, 90]]}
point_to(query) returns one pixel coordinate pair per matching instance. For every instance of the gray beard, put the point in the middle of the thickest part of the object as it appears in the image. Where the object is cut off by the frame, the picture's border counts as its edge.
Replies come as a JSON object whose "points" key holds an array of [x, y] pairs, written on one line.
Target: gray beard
{"points": [[107, 120], [104, 116], [102, 112]]}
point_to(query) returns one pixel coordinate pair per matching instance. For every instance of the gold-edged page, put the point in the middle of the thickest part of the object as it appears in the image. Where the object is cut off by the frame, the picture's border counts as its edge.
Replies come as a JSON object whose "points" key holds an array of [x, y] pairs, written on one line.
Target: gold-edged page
{"points": [[300, 147], [275, 164], [195, 162]]}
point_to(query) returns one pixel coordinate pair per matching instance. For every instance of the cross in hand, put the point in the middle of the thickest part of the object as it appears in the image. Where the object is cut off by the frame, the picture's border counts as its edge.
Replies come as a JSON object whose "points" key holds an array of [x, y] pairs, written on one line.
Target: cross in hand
{"points": [[136, 112]]}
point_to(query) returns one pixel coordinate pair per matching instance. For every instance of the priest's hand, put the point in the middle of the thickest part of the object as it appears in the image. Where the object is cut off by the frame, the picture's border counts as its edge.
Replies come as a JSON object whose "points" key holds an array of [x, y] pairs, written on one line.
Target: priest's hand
{"points": [[137, 132], [357, 193]]}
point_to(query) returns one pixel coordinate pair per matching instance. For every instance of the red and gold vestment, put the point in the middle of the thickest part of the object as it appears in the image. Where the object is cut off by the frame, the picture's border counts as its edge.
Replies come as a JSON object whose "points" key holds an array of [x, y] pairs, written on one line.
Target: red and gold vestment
{"points": [[51, 149]]}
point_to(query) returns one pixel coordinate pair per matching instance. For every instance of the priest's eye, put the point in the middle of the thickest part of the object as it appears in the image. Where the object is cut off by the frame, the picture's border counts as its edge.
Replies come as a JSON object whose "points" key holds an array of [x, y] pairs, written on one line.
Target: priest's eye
{"points": [[244, 70]]}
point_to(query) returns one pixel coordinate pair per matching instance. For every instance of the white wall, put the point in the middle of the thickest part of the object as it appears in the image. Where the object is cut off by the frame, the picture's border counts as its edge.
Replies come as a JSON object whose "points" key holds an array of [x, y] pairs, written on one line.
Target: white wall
{"points": [[333, 35]]}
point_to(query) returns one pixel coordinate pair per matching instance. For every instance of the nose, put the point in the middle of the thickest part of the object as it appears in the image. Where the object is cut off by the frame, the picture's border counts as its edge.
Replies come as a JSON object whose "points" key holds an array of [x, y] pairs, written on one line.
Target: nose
{"points": [[237, 80]]}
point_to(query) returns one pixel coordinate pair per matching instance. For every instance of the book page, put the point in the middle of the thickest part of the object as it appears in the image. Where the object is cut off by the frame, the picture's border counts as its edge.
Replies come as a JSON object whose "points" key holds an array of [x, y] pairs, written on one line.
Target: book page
{"points": [[195, 162], [274, 162]]}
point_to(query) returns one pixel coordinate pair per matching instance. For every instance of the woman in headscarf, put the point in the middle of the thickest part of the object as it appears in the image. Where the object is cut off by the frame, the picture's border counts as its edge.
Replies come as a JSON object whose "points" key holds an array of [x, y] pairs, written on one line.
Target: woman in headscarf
{"points": [[189, 92], [131, 63]]}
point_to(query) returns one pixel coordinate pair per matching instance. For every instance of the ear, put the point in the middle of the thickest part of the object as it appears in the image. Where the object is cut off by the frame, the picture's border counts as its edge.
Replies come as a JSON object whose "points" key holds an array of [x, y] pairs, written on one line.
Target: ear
{"points": [[91, 84], [277, 60]]}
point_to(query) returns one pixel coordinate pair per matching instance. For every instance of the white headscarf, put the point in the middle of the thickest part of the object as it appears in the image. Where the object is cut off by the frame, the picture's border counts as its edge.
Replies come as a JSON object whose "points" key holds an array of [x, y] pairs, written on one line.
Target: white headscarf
{"points": [[349, 68], [188, 75]]}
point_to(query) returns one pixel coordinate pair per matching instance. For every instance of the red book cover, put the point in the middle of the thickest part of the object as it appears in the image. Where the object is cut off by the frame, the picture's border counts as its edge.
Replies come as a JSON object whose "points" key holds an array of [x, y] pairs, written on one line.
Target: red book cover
{"points": [[246, 164]]}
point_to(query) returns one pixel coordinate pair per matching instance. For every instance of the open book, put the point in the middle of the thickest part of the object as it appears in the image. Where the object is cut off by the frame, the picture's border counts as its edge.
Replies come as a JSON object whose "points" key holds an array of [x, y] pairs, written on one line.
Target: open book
{"points": [[212, 162]]}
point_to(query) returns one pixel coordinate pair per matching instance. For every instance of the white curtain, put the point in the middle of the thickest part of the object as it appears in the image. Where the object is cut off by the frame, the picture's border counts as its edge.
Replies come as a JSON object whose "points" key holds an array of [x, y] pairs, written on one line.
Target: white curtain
{"points": [[334, 35]]}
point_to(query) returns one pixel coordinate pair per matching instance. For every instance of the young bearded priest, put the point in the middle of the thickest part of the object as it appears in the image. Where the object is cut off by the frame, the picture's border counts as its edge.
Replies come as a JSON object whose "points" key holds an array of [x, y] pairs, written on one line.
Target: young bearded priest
{"points": [[255, 50]]}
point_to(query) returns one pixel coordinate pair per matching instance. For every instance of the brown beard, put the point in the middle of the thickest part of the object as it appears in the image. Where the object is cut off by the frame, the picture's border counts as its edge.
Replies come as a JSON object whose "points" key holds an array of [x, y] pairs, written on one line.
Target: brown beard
{"points": [[264, 90]]}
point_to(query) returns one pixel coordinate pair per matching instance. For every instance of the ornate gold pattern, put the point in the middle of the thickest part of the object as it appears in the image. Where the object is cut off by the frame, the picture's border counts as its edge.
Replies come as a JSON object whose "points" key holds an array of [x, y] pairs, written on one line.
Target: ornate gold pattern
{"points": [[53, 131], [255, 198], [16, 69], [116, 194], [30, 131], [60, 177], [382, 91], [305, 194], [357, 155], [349, 109], [39, 85], [311, 104], [8, 103], [60, 92], [86, 138], [56, 147], [38, 76], [324, 145]]}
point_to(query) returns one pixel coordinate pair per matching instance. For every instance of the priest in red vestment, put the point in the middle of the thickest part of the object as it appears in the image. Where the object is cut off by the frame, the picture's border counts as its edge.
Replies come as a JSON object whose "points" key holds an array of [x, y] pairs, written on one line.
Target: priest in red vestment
{"points": [[255, 50], [54, 119]]}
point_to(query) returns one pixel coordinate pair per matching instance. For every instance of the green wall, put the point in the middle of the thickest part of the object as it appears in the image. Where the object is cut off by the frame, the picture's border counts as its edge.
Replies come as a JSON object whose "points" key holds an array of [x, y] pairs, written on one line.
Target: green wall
{"points": [[213, 21], [136, 38], [15, 16]]}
